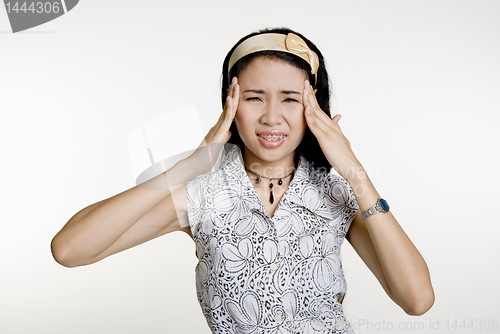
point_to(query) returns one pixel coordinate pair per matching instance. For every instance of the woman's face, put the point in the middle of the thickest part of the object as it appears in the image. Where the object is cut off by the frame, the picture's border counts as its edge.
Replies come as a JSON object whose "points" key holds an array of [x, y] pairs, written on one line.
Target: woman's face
{"points": [[271, 105]]}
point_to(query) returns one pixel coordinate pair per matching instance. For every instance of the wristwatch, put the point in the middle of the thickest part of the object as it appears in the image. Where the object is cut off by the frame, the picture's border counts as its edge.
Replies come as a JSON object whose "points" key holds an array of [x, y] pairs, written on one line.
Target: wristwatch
{"points": [[380, 206]]}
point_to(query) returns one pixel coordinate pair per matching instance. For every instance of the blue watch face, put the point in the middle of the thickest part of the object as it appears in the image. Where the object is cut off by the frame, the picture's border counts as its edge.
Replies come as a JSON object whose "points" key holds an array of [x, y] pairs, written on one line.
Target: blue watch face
{"points": [[384, 205]]}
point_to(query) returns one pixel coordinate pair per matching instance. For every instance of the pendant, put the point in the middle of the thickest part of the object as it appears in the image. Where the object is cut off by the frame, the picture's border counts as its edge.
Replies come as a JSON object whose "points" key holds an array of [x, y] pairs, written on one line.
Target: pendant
{"points": [[258, 179], [280, 182], [271, 197]]}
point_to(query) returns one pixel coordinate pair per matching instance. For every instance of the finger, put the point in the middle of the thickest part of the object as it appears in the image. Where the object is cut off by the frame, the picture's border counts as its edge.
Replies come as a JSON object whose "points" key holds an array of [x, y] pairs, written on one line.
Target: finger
{"points": [[308, 112], [235, 97], [234, 85], [230, 93], [316, 107], [309, 108], [305, 94], [231, 107], [317, 119], [316, 125], [230, 88], [313, 99]]}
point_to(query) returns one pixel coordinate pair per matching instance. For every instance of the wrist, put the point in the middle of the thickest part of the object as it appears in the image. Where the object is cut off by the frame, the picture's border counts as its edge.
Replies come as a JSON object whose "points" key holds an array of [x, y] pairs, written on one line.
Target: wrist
{"points": [[362, 188], [380, 206], [354, 175]]}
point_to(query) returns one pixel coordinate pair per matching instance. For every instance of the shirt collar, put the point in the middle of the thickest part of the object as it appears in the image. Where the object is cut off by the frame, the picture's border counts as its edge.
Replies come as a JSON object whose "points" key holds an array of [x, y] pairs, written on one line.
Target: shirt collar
{"points": [[232, 154]]}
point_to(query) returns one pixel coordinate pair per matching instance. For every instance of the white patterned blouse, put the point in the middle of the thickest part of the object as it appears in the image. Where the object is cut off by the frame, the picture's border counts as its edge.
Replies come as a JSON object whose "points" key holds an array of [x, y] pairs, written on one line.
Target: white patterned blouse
{"points": [[258, 274]]}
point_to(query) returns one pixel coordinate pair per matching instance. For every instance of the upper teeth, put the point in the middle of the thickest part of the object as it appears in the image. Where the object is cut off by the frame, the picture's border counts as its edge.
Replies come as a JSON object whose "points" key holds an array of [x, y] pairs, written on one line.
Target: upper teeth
{"points": [[272, 137]]}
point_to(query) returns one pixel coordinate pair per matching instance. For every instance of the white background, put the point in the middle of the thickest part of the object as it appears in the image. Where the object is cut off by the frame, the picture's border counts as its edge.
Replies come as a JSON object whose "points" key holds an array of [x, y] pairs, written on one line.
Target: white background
{"points": [[417, 83]]}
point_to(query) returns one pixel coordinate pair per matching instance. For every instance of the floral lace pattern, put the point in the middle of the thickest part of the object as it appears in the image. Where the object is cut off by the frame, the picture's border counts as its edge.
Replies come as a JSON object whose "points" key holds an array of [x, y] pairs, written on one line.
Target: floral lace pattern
{"points": [[258, 274]]}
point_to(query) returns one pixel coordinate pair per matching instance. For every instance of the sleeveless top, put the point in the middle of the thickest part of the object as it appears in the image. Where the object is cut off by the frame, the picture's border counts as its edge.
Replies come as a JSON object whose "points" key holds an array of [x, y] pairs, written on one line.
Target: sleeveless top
{"points": [[258, 274]]}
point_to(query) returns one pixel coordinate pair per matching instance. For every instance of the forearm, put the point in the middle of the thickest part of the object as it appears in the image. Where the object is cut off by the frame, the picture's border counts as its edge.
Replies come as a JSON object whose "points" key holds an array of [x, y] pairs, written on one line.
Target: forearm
{"points": [[95, 228], [405, 271]]}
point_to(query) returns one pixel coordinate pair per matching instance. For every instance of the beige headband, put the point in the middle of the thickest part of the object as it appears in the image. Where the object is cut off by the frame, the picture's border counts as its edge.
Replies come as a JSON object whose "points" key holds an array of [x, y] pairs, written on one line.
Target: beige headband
{"points": [[290, 43]]}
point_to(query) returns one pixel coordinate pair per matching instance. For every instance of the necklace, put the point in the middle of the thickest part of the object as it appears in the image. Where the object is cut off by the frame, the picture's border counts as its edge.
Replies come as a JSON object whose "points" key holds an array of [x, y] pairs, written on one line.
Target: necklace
{"points": [[280, 182]]}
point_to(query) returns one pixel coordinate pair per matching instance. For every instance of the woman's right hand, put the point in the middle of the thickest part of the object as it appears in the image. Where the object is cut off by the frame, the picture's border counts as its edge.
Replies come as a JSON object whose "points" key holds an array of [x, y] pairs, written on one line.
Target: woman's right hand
{"points": [[139, 214], [204, 158]]}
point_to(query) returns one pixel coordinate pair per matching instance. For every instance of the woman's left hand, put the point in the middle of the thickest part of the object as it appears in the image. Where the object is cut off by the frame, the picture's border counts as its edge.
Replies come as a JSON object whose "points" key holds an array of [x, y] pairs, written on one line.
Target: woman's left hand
{"points": [[335, 146], [380, 241]]}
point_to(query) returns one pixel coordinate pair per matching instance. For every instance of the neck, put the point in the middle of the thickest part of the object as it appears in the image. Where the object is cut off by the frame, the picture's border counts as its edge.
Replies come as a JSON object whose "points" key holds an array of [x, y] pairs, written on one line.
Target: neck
{"points": [[276, 168]]}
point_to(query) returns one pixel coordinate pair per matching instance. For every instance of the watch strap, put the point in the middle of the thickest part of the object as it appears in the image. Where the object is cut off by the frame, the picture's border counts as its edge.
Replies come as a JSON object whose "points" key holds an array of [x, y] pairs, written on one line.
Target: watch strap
{"points": [[374, 209], [371, 211]]}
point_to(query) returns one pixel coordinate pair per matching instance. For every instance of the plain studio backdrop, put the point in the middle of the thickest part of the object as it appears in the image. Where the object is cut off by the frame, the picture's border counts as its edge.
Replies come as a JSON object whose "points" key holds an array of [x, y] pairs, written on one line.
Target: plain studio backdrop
{"points": [[417, 83]]}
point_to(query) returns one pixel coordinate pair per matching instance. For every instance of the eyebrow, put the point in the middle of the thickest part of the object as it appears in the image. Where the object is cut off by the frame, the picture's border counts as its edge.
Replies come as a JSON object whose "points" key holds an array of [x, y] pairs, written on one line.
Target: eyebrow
{"points": [[260, 91], [290, 92]]}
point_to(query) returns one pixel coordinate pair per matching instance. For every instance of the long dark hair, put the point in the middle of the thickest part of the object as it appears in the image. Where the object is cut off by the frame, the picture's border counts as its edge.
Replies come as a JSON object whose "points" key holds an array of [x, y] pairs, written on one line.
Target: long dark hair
{"points": [[309, 146]]}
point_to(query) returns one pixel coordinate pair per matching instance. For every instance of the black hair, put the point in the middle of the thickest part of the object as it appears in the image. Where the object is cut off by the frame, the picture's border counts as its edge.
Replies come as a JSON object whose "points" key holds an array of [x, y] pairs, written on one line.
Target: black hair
{"points": [[309, 146]]}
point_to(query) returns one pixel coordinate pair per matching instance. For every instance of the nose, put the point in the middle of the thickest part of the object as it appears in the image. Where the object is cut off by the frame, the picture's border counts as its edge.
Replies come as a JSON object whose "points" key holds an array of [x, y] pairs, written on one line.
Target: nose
{"points": [[272, 114]]}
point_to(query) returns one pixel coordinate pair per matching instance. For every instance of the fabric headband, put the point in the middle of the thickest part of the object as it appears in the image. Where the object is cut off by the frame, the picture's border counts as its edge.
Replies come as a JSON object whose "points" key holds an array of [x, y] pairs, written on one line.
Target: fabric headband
{"points": [[290, 43]]}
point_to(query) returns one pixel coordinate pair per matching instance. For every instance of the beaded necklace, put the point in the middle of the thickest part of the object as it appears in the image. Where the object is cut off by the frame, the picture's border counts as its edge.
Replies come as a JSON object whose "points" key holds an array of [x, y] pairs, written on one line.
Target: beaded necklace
{"points": [[280, 182]]}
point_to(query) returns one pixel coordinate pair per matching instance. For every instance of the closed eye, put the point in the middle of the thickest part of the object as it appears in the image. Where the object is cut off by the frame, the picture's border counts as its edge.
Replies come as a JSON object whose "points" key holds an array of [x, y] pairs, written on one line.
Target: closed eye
{"points": [[254, 99], [291, 100]]}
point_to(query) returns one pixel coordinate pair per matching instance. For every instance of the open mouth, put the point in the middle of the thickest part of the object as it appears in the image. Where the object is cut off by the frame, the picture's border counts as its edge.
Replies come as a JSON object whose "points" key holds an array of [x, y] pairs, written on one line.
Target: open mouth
{"points": [[271, 141], [272, 138]]}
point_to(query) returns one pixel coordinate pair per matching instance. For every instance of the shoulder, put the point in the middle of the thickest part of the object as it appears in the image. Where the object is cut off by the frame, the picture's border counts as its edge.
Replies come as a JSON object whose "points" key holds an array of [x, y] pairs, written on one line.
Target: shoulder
{"points": [[219, 178], [320, 176], [329, 185]]}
